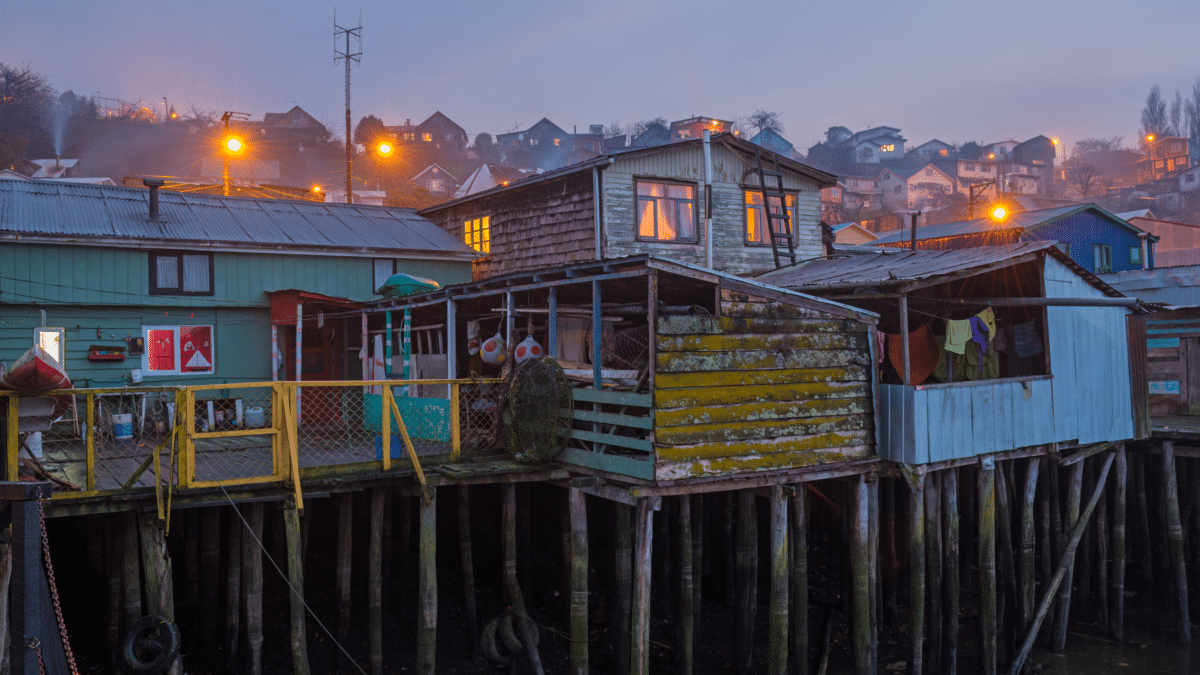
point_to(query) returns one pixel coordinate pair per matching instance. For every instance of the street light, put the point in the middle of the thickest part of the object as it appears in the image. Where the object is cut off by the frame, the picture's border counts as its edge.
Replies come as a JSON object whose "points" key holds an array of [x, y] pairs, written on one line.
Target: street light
{"points": [[999, 213], [232, 145], [384, 149]]}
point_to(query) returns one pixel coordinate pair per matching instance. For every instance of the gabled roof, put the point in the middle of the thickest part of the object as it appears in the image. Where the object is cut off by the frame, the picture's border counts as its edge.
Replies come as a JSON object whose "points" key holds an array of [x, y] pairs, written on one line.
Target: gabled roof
{"points": [[772, 137], [1026, 220], [740, 145], [438, 116], [901, 269], [70, 214], [284, 119], [931, 142], [435, 169], [488, 176]]}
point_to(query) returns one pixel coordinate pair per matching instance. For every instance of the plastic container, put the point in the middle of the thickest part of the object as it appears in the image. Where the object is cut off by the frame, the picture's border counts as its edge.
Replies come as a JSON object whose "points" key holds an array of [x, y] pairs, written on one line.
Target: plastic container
{"points": [[34, 442], [122, 426], [255, 417]]}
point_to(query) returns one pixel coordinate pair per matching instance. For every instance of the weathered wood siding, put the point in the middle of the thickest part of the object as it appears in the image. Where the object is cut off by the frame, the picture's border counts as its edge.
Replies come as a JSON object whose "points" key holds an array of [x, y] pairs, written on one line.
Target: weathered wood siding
{"points": [[731, 175], [545, 225], [764, 386], [1173, 362]]}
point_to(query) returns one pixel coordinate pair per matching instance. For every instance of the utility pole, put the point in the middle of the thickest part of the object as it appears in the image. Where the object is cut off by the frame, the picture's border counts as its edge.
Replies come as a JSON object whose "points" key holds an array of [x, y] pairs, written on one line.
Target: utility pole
{"points": [[348, 57]]}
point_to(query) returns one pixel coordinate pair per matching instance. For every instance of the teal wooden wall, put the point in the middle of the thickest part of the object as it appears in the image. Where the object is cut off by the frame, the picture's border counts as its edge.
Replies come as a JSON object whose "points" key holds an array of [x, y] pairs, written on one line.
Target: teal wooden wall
{"points": [[92, 275]]}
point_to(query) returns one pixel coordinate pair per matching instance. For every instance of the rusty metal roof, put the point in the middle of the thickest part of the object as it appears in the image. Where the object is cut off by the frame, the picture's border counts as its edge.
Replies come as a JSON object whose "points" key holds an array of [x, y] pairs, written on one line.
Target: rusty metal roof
{"points": [[120, 216], [892, 268], [1024, 220]]}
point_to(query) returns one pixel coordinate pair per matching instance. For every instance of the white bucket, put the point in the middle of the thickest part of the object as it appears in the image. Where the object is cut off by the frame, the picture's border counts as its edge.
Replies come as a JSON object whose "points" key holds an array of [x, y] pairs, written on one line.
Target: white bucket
{"points": [[122, 426], [255, 417], [34, 443]]}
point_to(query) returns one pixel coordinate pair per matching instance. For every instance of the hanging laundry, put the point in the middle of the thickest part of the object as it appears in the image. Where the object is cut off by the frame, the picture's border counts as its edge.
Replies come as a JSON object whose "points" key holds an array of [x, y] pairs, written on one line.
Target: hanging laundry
{"points": [[1000, 344], [882, 349], [978, 365], [988, 317], [1027, 341], [950, 365], [979, 333], [922, 354], [958, 334]]}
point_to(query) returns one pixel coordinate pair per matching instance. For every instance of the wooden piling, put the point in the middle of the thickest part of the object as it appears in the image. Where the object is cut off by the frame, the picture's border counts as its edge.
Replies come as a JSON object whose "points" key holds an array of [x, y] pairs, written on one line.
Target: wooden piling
{"points": [[468, 567], [698, 566], [730, 548], [375, 583], [916, 577], [950, 574], [1028, 545], [1101, 539], [623, 576], [777, 631], [210, 561], [344, 502], [524, 547], [987, 569], [252, 575], [512, 587], [191, 558], [685, 614], [299, 637], [933, 574], [643, 547], [888, 557], [233, 588], [1007, 598], [799, 582], [114, 557], [1046, 562], [861, 561], [873, 558], [1175, 535], [405, 552], [1063, 615], [747, 582], [131, 569], [427, 586], [6, 569], [1118, 548], [661, 564], [156, 568], [1141, 530], [579, 581]]}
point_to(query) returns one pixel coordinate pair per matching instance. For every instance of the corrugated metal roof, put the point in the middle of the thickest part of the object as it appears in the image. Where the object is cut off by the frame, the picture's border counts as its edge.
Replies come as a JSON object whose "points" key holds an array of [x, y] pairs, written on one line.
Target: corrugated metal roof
{"points": [[1175, 286], [1026, 220], [54, 210], [897, 269]]}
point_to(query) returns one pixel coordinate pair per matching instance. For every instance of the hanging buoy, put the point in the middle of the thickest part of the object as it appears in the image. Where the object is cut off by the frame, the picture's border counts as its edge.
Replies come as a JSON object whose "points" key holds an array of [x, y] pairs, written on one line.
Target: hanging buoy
{"points": [[528, 349], [493, 350]]}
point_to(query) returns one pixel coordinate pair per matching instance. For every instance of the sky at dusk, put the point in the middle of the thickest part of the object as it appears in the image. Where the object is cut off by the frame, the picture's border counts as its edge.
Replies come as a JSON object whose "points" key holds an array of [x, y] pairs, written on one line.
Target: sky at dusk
{"points": [[957, 71]]}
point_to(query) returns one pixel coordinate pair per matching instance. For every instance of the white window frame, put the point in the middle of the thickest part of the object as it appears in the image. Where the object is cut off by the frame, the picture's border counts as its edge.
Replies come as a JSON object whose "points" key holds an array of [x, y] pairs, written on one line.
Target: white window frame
{"points": [[178, 371]]}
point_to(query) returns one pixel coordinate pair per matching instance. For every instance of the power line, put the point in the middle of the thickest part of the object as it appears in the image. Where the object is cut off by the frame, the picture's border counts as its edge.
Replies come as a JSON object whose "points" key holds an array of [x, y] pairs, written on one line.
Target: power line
{"points": [[348, 57]]}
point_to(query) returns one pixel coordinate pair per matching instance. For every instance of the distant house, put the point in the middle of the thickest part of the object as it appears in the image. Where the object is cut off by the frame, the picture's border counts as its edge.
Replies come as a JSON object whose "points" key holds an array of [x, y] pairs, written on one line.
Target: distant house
{"points": [[294, 128], [56, 168], [435, 180], [1189, 179], [488, 176], [1168, 157], [543, 145], [651, 201], [655, 134], [614, 143], [852, 233], [364, 197], [437, 132], [913, 188], [1178, 243], [1038, 151], [694, 127], [877, 144], [773, 141], [1097, 240], [932, 149]]}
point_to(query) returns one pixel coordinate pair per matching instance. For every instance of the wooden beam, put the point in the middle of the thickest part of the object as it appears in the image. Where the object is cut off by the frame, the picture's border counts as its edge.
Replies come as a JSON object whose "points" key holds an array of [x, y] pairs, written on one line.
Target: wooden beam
{"points": [[987, 570], [777, 631], [916, 565], [861, 560], [640, 621], [299, 637], [468, 567], [375, 582], [579, 582], [427, 613], [1074, 490], [685, 613], [1085, 453], [1175, 536], [1118, 548]]}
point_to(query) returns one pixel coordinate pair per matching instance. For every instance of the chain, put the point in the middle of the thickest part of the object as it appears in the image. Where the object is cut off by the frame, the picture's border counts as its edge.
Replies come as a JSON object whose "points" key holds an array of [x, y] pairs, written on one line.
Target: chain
{"points": [[62, 626], [36, 646]]}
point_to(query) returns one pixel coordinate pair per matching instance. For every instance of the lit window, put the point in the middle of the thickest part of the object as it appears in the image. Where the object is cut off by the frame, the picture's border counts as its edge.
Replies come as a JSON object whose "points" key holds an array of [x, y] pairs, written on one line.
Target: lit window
{"points": [[666, 211], [887, 148], [434, 185], [178, 350], [942, 152], [427, 137], [533, 141], [557, 141], [174, 273], [476, 234], [53, 341], [1102, 258], [756, 220]]}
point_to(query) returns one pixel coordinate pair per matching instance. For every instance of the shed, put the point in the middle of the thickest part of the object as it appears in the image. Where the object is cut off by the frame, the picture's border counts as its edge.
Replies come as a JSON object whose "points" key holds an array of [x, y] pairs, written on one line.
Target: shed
{"points": [[1061, 367], [701, 373]]}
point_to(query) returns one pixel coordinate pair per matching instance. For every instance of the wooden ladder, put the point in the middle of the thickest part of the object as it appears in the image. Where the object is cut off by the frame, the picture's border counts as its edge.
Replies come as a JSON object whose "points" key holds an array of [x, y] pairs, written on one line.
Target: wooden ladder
{"points": [[779, 224]]}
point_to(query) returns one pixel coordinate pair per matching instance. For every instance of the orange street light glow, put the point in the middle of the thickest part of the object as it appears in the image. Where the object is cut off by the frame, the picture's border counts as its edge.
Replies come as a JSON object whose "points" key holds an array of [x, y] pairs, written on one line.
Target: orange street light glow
{"points": [[999, 213], [233, 144], [1149, 138], [1054, 141], [316, 188], [385, 148]]}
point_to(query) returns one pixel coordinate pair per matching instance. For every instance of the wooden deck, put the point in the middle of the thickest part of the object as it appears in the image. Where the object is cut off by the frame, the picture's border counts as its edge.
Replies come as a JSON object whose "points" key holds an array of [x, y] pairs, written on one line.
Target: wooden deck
{"points": [[1175, 426]]}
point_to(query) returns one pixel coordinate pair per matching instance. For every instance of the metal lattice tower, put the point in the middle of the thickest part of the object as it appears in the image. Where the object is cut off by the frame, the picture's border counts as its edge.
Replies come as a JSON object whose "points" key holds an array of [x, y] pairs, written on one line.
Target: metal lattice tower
{"points": [[349, 57]]}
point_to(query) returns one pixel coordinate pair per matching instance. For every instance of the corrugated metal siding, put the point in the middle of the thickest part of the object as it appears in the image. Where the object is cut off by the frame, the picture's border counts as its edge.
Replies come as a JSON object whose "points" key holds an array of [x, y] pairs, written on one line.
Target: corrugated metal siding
{"points": [[1179, 286], [93, 275], [1082, 230], [60, 209], [1089, 358]]}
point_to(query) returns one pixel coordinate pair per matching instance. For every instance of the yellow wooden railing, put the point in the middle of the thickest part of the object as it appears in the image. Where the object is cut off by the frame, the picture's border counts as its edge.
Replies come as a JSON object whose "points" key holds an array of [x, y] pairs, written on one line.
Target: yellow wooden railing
{"points": [[310, 429]]}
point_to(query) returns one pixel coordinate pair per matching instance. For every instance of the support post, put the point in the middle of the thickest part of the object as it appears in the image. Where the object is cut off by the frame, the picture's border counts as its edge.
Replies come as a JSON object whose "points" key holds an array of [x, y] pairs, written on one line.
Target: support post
{"points": [[253, 578], [950, 570], [1074, 491], [643, 546], [916, 564], [375, 582], [345, 543], [685, 612], [747, 582], [299, 637], [904, 346], [1175, 535], [1118, 594], [468, 567], [579, 581], [512, 587], [233, 595], [799, 581], [210, 589], [131, 566], [933, 566], [623, 577], [987, 568], [1028, 544], [777, 631], [861, 560], [427, 585]]}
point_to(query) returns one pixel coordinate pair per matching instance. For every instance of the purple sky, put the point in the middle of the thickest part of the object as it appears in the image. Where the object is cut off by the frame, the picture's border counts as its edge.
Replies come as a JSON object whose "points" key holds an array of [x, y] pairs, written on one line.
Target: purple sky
{"points": [[957, 71]]}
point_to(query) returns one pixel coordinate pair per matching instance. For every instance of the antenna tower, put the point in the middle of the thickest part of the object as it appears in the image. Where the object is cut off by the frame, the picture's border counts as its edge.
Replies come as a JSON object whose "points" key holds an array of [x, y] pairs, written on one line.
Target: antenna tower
{"points": [[349, 57]]}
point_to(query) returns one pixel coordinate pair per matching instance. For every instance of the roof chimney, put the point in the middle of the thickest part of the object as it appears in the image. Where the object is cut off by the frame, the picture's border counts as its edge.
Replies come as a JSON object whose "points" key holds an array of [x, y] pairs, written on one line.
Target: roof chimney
{"points": [[153, 184]]}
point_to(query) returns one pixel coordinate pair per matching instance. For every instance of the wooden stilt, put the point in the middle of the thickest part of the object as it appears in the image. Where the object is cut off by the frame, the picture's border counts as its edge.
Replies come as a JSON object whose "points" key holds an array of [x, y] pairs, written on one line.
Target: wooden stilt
{"points": [[6, 569], [1085, 567], [685, 615], [777, 632], [405, 551], [747, 582], [643, 547], [933, 578], [375, 583], [345, 542], [623, 575], [861, 562], [1101, 539], [252, 575], [1046, 562], [873, 560], [512, 587], [579, 581], [385, 557], [427, 587], [156, 571], [661, 564], [1118, 548], [987, 569], [888, 564], [233, 595], [210, 588], [191, 558], [799, 581], [1141, 531], [524, 547], [1175, 535], [564, 531], [1159, 534], [1063, 616], [1056, 518], [1028, 544], [967, 526], [698, 566], [730, 547], [950, 574], [114, 557], [1007, 598], [299, 637], [131, 568], [916, 577], [468, 567]]}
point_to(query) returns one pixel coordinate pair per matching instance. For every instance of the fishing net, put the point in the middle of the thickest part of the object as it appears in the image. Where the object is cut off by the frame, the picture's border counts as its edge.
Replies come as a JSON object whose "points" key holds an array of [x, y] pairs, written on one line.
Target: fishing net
{"points": [[537, 411]]}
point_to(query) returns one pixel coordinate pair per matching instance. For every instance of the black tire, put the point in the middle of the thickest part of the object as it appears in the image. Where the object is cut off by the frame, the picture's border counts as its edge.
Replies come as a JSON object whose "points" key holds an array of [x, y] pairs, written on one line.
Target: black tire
{"points": [[150, 646]]}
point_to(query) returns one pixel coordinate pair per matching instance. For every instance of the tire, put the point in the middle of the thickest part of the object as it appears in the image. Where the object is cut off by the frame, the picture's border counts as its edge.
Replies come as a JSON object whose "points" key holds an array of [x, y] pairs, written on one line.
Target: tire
{"points": [[150, 646]]}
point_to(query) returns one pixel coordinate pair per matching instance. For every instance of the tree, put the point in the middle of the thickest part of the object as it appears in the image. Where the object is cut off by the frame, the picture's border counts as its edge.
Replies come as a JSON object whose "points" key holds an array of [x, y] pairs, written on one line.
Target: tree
{"points": [[1083, 173], [1154, 115], [369, 131], [638, 127], [1089, 145], [835, 135], [970, 150], [485, 149], [1177, 115], [614, 129], [1192, 110], [761, 120], [26, 99]]}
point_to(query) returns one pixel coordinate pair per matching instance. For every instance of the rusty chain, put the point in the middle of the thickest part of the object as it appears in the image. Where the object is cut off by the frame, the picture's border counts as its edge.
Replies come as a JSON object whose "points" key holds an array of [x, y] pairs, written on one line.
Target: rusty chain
{"points": [[36, 646], [62, 625]]}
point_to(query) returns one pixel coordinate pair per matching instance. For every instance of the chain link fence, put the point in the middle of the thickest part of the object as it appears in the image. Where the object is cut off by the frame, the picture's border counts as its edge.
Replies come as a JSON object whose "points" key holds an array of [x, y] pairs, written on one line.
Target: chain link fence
{"points": [[232, 430]]}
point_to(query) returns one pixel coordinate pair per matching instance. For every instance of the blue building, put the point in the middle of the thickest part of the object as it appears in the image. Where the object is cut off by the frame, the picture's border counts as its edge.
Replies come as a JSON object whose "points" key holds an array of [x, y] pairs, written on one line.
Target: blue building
{"points": [[1099, 241]]}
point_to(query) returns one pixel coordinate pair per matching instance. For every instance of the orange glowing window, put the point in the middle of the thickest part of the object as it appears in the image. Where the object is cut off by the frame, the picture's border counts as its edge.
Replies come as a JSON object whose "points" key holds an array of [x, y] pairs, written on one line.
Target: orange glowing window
{"points": [[890, 147], [477, 235], [756, 219], [427, 137], [666, 211]]}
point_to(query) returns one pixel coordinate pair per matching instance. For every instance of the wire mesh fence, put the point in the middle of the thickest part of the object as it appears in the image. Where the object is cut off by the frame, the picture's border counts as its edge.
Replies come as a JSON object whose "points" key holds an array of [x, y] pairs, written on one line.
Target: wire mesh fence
{"points": [[231, 433]]}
